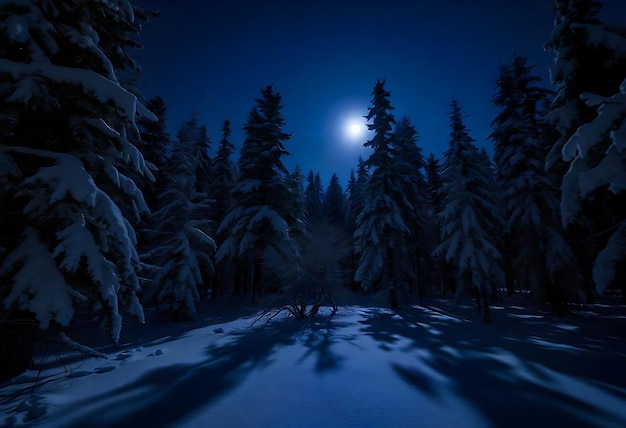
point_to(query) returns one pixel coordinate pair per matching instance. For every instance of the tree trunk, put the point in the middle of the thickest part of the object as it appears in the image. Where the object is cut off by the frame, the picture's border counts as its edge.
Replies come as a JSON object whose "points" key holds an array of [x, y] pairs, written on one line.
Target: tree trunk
{"points": [[390, 279], [557, 300], [477, 296], [509, 280], [393, 297], [256, 279], [486, 311], [216, 283]]}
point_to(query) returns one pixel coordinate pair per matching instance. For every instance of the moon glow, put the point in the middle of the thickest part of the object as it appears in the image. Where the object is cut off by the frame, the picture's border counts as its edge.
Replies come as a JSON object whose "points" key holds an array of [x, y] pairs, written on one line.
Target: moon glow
{"points": [[354, 129]]}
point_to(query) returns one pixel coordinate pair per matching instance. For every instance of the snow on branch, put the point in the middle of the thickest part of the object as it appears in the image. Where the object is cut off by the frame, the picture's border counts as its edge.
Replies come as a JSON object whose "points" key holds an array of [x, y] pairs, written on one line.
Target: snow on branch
{"points": [[600, 35], [38, 286], [80, 348], [68, 175], [104, 89], [609, 257]]}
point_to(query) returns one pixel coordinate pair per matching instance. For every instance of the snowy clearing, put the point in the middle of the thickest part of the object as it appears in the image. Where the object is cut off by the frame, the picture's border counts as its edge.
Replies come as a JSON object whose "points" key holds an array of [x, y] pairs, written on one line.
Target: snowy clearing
{"points": [[431, 366]]}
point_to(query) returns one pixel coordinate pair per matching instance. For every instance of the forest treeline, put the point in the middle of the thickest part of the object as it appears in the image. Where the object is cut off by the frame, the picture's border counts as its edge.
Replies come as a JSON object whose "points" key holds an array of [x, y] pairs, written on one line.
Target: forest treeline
{"points": [[102, 210]]}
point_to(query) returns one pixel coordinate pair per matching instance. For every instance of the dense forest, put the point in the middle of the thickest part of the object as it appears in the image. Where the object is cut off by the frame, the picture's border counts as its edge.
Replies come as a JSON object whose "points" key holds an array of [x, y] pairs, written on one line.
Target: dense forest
{"points": [[103, 211]]}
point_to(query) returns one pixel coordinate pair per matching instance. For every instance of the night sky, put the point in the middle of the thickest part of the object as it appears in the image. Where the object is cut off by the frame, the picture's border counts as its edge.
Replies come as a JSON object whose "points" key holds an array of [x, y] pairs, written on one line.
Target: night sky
{"points": [[212, 57]]}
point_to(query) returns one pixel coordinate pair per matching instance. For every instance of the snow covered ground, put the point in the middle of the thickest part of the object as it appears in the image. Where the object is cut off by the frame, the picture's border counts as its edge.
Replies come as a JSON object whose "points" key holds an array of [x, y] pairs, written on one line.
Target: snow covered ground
{"points": [[427, 366]]}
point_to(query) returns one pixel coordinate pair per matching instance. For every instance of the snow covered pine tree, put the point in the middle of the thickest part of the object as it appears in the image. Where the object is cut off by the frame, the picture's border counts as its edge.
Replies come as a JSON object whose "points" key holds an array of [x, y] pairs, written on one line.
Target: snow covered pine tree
{"points": [[382, 235], [222, 183], [468, 226], [409, 163], [66, 119], [256, 227], [184, 254], [540, 258], [589, 67]]}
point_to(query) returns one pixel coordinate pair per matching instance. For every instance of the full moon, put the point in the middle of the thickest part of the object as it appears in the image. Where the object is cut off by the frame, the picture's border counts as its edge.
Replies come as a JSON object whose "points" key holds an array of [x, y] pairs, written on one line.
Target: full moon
{"points": [[353, 128]]}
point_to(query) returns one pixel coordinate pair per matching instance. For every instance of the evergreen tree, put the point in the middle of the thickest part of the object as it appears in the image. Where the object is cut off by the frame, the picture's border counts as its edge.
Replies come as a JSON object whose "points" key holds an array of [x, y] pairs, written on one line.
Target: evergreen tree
{"points": [[185, 249], [440, 272], [258, 221], [193, 138], [382, 233], [535, 248], [333, 204], [154, 144], [608, 175], [222, 176], [468, 238], [222, 184], [355, 201], [326, 247], [357, 194], [350, 215], [409, 163], [589, 59], [67, 122], [295, 185], [313, 196], [433, 184], [155, 140], [584, 63]]}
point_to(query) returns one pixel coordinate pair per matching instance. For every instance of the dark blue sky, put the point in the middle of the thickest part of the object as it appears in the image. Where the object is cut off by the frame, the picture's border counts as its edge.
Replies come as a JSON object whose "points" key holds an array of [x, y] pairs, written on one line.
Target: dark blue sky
{"points": [[211, 58]]}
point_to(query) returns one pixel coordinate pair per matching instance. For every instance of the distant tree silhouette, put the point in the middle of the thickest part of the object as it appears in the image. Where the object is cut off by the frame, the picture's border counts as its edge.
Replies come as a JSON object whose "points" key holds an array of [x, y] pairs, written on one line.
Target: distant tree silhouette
{"points": [[313, 196], [222, 182]]}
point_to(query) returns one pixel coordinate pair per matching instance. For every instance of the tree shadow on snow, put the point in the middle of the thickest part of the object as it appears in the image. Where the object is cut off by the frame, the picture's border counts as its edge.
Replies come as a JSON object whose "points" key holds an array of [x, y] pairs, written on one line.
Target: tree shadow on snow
{"points": [[85, 330], [521, 370], [166, 395]]}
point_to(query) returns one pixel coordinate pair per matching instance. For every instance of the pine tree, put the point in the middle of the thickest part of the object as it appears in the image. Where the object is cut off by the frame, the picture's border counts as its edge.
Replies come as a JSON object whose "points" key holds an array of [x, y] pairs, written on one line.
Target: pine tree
{"points": [[222, 176], [154, 144], [382, 233], [155, 140], [313, 196], [295, 205], [584, 63], [433, 183], [325, 249], [295, 184], [355, 201], [67, 123], [193, 138], [468, 238], [440, 272], [257, 223], [334, 204], [184, 253], [357, 192], [222, 184], [588, 60], [537, 252], [350, 215], [608, 174], [409, 163]]}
